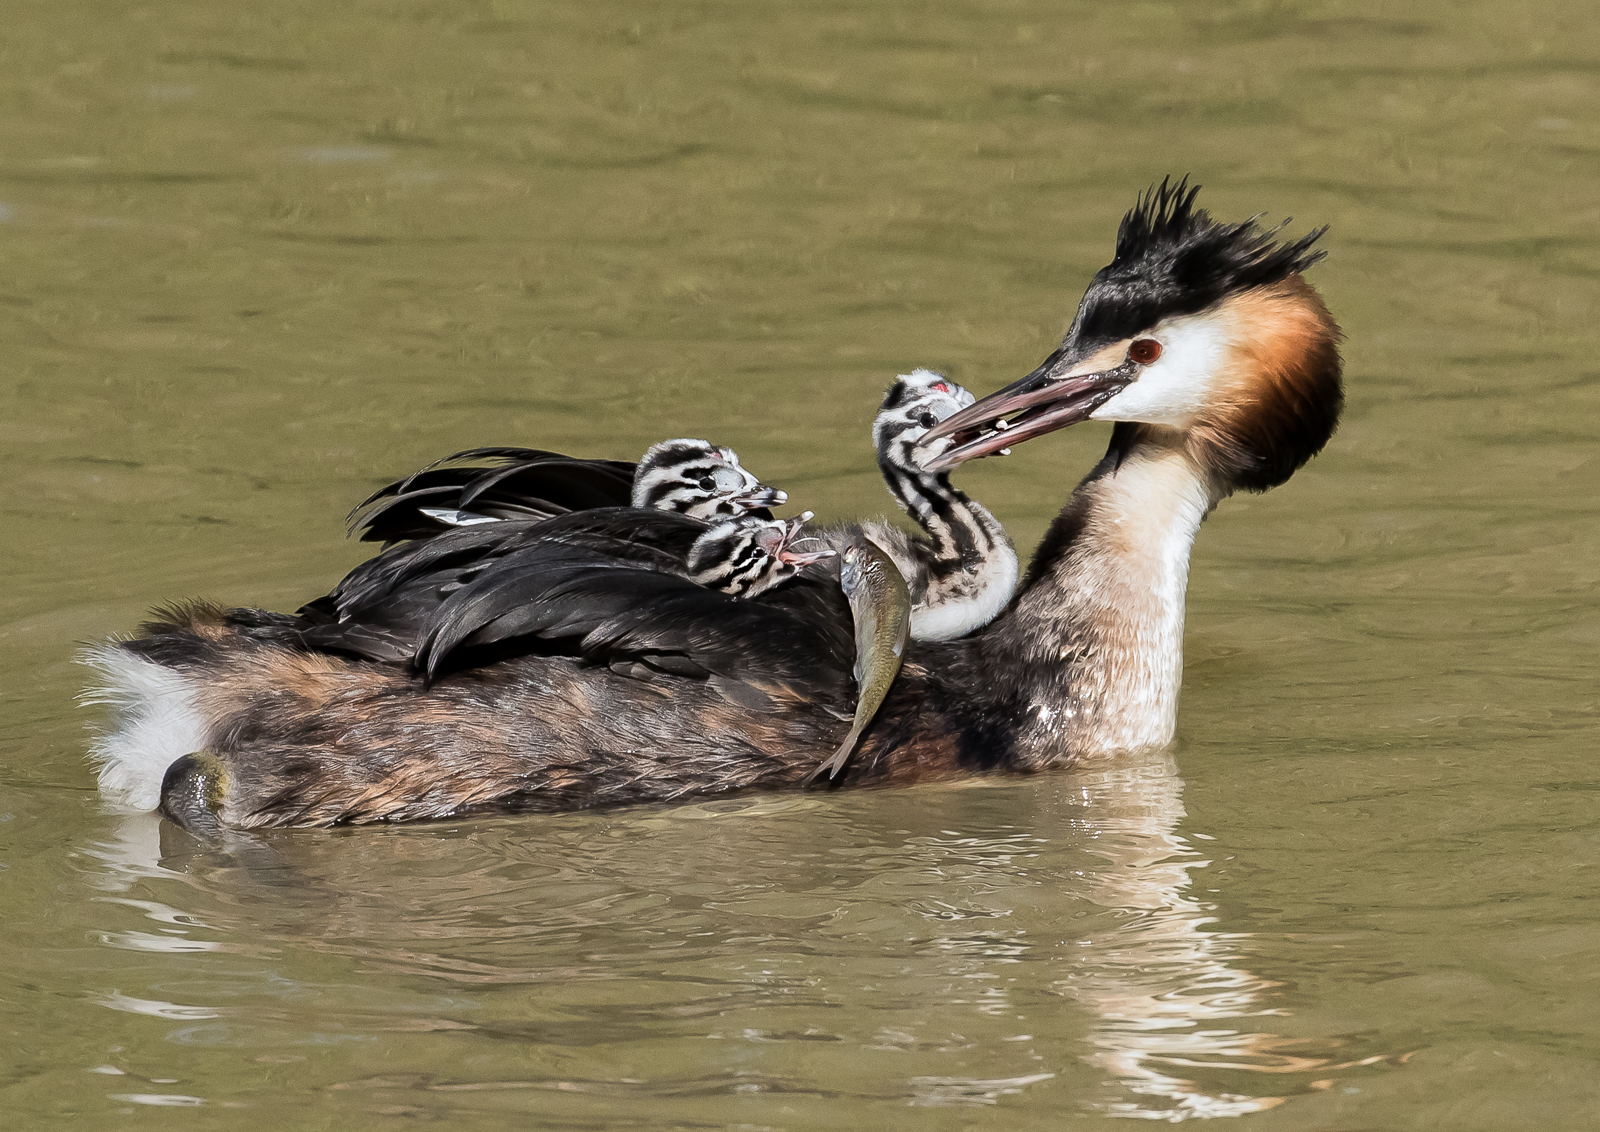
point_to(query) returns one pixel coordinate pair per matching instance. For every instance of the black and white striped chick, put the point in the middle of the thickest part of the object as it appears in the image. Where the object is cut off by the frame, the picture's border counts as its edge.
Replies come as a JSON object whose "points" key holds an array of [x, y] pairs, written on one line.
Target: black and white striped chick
{"points": [[749, 555], [487, 485], [963, 570], [701, 480]]}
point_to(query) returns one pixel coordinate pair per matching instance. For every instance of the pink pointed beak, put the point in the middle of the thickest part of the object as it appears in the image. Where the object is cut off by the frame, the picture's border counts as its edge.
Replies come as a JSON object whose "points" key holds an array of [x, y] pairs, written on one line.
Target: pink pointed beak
{"points": [[799, 558]]}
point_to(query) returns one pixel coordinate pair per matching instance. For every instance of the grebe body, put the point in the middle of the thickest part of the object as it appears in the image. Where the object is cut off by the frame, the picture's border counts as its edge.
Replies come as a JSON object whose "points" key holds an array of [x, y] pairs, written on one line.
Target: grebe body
{"points": [[580, 677]]}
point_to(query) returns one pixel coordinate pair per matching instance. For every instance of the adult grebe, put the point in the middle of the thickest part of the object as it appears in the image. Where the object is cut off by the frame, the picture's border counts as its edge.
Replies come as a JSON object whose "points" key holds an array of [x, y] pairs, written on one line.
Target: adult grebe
{"points": [[597, 682]]}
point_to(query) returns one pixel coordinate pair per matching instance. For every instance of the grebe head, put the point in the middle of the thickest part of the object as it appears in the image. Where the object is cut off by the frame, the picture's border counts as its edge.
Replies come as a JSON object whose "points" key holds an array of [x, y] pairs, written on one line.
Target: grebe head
{"points": [[748, 555], [1204, 328], [914, 404], [699, 479]]}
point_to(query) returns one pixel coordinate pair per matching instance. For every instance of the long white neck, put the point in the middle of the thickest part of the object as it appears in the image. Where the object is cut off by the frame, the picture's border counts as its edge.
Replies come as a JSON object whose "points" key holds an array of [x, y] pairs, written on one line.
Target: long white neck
{"points": [[1098, 627]]}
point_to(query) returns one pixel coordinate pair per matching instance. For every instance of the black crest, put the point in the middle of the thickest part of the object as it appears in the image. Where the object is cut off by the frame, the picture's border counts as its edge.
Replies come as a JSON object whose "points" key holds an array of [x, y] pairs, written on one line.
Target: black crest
{"points": [[1174, 259]]}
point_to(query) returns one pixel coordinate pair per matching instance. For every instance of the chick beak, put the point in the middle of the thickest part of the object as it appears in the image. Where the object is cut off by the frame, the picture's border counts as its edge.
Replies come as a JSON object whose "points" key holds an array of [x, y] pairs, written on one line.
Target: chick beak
{"points": [[1061, 392], [799, 558], [760, 496]]}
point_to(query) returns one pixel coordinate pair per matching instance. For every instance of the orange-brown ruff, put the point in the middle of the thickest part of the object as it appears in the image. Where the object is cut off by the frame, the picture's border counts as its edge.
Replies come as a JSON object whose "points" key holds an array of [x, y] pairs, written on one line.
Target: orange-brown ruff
{"points": [[576, 667], [1283, 373]]}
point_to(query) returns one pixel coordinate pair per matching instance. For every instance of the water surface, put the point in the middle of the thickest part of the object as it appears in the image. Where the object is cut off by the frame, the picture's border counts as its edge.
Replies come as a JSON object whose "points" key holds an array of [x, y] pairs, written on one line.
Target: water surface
{"points": [[258, 260]]}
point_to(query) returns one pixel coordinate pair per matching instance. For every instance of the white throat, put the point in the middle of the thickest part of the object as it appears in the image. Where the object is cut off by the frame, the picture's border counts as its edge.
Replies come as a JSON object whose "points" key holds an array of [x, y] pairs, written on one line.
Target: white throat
{"points": [[1111, 670]]}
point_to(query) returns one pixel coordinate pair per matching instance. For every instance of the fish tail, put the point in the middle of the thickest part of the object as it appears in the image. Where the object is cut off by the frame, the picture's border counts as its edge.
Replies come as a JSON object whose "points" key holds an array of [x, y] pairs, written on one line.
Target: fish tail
{"points": [[835, 764]]}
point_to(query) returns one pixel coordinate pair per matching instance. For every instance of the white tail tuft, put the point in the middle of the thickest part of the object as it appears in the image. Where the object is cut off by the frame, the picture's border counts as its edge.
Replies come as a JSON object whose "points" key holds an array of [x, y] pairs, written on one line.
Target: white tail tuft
{"points": [[154, 721]]}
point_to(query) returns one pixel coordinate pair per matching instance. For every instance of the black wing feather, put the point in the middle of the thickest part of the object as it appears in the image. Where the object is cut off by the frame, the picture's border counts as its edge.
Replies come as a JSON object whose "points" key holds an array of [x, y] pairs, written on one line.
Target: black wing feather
{"points": [[606, 585], [551, 592], [503, 483]]}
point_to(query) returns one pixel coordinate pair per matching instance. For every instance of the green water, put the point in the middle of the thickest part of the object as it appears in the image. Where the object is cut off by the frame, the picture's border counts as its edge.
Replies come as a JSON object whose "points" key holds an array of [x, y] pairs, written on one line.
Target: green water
{"points": [[255, 259]]}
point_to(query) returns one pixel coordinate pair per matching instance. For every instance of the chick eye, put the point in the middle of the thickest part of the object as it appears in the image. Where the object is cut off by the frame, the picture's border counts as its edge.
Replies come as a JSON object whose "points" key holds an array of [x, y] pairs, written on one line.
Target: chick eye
{"points": [[707, 484], [1144, 351], [927, 420]]}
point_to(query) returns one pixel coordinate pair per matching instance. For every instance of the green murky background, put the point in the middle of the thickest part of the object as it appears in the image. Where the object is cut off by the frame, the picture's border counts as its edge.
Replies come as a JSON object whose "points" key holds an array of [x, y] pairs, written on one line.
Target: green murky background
{"points": [[259, 258]]}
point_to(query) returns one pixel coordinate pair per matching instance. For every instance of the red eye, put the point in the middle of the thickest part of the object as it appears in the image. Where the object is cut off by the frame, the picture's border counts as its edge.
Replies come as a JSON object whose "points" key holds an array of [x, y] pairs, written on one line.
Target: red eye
{"points": [[939, 387], [1144, 351]]}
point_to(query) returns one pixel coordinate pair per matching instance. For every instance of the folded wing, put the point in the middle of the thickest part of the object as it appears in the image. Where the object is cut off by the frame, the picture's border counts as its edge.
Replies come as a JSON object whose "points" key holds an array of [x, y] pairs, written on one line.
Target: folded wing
{"points": [[483, 484], [607, 586]]}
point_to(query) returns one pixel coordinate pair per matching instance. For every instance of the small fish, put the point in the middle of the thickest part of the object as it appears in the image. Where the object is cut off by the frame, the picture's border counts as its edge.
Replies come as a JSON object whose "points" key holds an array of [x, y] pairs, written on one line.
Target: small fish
{"points": [[881, 608]]}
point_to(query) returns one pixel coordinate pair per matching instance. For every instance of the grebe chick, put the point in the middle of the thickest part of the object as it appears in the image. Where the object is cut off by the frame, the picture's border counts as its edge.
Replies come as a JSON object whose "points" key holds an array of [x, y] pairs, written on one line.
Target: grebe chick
{"points": [[582, 674], [701, 480], [484, 485], [963, 570], [747, 555]]}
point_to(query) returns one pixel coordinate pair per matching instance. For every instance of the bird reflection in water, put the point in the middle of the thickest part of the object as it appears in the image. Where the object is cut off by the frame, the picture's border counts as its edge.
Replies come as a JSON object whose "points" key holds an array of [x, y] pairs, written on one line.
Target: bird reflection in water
{"points": [[1159, 984], [1169, 1009], [1167, 995]]}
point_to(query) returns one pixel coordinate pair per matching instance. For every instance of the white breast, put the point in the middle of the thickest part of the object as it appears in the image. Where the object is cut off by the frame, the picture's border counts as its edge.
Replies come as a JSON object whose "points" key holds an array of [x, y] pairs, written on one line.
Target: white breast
{"points": [[983, 594]]}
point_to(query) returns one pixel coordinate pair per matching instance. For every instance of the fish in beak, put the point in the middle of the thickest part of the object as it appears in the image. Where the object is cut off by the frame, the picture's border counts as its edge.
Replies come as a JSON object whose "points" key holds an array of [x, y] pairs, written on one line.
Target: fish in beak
{"points": [[1063, 391]]}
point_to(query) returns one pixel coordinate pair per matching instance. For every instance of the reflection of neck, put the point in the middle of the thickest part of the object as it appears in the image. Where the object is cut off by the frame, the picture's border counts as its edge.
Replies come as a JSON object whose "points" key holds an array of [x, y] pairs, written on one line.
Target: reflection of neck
{"points": [[1098, 626], [1161, 990]]}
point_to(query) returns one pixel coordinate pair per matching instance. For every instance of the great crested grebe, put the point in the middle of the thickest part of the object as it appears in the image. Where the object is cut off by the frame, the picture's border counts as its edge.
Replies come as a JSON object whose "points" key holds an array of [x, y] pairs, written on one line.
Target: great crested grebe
{"points": [[579, 679], [962, 571], [748, 555], [485, 485]]}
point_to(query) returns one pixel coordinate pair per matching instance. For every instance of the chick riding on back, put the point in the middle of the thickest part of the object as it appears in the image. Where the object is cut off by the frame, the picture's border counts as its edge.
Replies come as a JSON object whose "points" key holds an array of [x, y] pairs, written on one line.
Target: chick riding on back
{"points": [[485, 485], [748, 555]]}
